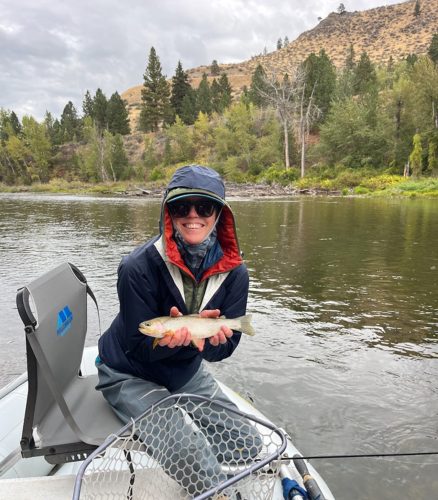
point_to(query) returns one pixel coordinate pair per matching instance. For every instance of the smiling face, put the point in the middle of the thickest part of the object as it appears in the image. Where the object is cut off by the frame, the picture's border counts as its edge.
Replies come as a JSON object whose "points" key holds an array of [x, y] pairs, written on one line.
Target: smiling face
{"points": [[193, 227]]}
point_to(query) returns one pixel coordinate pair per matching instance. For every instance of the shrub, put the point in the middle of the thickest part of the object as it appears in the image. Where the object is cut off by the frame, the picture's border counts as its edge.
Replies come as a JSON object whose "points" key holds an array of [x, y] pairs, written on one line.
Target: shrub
{"points": [[278, 175]]}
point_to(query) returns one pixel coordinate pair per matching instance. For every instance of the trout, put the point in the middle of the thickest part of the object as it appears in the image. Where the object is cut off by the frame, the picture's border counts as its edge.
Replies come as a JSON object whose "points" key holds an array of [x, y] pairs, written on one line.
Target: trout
{"points": [[199, 328]]}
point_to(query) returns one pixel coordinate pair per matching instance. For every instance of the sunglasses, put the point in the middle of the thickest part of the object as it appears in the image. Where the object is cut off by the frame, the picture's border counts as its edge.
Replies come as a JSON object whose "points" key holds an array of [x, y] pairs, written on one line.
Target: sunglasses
{"points": [[204, 208]]}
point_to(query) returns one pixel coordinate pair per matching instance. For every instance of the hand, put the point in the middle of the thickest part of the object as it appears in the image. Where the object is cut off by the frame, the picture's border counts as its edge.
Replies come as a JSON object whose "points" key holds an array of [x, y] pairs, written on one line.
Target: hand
{"points": [[223, 334], [180, 337]]}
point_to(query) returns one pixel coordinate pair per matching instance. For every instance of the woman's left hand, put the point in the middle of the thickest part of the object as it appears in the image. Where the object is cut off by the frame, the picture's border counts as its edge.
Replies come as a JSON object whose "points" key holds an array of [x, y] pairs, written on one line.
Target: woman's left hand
{"points": [[223, 334]]}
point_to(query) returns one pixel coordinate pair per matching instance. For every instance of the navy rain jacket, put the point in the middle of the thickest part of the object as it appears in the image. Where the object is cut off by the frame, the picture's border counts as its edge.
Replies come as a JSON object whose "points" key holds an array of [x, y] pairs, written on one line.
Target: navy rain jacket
{"points": [[150, 283]]}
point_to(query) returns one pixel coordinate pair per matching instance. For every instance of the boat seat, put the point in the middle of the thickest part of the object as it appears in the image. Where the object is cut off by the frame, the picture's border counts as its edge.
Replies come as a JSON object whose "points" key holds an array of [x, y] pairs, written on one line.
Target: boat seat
{"points": [[66, 418]]}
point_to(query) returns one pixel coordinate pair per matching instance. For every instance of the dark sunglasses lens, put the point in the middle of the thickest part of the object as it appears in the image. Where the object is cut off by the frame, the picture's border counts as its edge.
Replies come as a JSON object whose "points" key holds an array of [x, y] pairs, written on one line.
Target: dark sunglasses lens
{"points": [[182, 208], [204, 208], [179, 208]]}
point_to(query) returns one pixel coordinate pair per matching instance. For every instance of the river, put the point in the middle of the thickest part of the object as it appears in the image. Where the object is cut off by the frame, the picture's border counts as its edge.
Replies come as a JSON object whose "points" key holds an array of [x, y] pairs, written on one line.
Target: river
{"points": [[344, 298]]}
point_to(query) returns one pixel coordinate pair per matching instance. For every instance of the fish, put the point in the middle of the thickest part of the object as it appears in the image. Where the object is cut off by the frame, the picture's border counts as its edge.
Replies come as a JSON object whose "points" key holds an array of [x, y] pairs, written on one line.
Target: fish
{"points": [[199, 328]]}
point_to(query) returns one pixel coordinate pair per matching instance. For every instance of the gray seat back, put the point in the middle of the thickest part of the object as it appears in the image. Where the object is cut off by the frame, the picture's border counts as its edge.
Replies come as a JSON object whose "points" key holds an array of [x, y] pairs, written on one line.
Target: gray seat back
{"points": [[60, 300], [71, 417]]}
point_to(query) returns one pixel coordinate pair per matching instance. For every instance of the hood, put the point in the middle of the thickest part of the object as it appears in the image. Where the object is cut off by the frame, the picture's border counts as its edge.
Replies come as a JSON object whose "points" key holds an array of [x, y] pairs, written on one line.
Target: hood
{"points": [[202, 181]]}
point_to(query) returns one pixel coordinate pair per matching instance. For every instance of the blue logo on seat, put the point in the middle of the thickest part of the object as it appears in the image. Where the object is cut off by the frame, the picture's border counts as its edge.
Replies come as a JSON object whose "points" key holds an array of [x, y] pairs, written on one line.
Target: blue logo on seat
{"points": [[65, 319]]}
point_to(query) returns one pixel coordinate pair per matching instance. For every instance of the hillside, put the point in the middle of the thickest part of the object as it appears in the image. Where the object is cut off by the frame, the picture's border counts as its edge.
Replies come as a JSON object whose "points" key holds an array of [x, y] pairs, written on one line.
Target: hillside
{"points": [[382, 32]]}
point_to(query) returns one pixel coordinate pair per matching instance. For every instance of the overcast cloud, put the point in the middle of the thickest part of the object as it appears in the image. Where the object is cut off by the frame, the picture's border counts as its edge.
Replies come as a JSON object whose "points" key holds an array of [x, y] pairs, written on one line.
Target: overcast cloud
{"points": [[52, 51]]}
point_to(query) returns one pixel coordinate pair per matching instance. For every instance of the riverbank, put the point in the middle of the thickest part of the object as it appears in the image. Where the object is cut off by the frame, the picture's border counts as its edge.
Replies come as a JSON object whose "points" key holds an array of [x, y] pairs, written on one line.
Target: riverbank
{"points": [[383, 185]]}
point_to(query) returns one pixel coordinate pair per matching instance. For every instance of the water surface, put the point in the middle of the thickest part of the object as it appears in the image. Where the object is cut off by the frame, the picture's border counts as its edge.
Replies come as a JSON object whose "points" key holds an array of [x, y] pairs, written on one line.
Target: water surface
{"points": [[344, 300]]}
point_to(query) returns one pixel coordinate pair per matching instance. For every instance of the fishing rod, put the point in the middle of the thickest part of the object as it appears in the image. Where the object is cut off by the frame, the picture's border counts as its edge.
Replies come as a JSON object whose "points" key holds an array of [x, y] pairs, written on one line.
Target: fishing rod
{"points": [[365, 455]]}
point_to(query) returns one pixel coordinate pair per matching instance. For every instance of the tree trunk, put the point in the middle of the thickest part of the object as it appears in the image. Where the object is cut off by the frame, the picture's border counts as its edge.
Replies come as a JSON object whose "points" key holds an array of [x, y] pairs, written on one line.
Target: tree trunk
{"points": [[286, 145], [303, 149]]}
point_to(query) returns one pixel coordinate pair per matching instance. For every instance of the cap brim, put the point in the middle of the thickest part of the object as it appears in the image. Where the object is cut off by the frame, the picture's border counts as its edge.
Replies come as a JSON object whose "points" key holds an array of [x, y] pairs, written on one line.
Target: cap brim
{"points": [[192, 194]]}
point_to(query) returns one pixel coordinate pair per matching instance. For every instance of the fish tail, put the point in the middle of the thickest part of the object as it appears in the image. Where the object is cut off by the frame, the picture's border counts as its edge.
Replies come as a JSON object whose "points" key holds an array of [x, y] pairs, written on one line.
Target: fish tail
{"points": [[246, 326]]}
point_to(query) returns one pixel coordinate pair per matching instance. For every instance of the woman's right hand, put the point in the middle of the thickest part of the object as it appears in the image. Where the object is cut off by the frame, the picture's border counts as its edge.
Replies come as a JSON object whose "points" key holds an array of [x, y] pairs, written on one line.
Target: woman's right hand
{"points": [[180, 337]]}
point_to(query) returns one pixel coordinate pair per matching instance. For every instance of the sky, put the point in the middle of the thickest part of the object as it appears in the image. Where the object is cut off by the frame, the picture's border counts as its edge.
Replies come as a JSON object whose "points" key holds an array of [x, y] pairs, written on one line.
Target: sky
{"points": [[53, 51]]}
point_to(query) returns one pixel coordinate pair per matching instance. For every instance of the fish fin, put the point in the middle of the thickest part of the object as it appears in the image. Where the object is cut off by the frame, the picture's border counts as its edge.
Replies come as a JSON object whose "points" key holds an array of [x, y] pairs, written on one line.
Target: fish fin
{"points": [[246, 326], [196, 342], [157, 339]]}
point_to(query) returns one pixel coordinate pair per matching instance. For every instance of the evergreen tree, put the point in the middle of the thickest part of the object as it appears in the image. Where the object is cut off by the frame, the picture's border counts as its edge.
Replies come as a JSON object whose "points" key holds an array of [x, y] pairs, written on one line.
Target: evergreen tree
{"points": [[225, 92], [155, 96], [341, 9], [180, 88], [286, 41], [411, 59], [117, 115], [99, 113], [279, 44], [258, 86], [189, 107], [432, 51], [320, 80], [70, 124], [349, 61], [365, 78], [87, 105], [215, 92], [214, 68], [15, 123], [417, 8], [203, 98]]}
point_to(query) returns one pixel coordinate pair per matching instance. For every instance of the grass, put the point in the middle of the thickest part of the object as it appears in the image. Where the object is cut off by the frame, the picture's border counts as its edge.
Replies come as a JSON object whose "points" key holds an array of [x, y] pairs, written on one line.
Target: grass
{"points": [[345, 183]]}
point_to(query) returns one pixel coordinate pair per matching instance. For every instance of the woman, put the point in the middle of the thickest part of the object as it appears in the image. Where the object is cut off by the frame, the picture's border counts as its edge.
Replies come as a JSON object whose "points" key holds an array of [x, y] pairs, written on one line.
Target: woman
{"points": [[193, 266]]}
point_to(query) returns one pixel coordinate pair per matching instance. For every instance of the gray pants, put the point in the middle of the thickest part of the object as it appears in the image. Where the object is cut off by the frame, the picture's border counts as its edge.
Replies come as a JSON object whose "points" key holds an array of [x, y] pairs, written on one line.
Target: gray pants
{"points": [[229, 439]]}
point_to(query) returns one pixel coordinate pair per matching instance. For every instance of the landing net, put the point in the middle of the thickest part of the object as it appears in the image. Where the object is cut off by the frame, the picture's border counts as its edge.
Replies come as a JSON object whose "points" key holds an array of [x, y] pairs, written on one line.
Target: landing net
{"points": [[185, 447]]}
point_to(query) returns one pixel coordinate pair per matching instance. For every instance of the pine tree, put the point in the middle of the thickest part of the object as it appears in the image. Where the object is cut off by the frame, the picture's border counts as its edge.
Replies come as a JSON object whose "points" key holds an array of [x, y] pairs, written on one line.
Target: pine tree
{"points": [[258, 86], [320, 80], [99, 114], [225, 92], [117, 115], [286, 41], [349, 61], [70, 124], [417, 8], [203, 98], [180, 88], [215, 93], [341, 9], [279, 44], [432, 51], [189, 107], [87, 105], [15, 123], [365, 77], [214, 68], [155, 96]]}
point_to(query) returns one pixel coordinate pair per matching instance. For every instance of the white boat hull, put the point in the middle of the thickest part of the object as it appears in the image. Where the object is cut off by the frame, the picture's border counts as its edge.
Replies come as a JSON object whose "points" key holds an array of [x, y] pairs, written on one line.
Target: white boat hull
{"points": [[21, 479]]}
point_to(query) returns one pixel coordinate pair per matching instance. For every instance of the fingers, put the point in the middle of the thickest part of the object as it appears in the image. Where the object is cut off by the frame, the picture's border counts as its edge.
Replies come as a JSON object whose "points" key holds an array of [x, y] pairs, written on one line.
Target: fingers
{"points": [[222, 336], [174, 312], [176, 339], [210, 313]]}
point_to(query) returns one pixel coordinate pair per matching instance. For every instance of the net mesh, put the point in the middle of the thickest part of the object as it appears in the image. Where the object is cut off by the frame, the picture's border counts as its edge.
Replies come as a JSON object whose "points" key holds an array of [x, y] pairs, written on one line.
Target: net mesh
{"points": [[185, 447]]}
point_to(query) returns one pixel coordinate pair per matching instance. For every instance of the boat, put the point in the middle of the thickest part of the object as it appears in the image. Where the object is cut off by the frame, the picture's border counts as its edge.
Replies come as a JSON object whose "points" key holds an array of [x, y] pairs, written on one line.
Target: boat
{"points": [[60, 440]]}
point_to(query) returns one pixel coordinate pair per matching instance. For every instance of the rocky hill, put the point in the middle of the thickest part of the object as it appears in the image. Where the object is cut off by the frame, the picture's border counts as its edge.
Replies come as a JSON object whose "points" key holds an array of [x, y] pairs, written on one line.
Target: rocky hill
{"points": [[382, 32]]}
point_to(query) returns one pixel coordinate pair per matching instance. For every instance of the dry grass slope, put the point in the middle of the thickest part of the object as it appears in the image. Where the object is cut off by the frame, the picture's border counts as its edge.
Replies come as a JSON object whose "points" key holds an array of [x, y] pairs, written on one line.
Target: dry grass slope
{"points": [[382, 32]]}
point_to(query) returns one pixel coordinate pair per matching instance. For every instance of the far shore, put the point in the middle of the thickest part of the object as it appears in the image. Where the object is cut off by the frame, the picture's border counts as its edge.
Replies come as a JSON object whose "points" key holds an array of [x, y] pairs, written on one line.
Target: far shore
{"points": [[425, 187]]}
